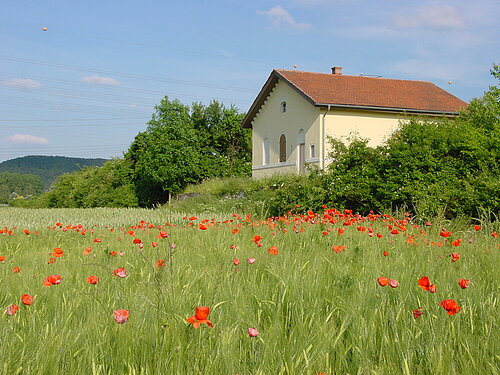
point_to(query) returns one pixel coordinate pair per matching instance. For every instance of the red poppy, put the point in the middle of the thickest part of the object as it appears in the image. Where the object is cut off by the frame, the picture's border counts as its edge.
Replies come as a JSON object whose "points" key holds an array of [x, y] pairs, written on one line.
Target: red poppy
{"points": [[52, 280], [51, 260], [136, 241], [386, 253], [12, 310], [338, 249], [113, 253], [27, 299], [236, 261], [160, 263], [251, 260], [16, 270], [154, 244], [256, 239], [456, 243], [382, 281], [455, 257], [477, 227], [464, 283], [2, 259], [121, 316], [200, 317], [163, 234], [97, 240], [425, 284], [26, 232], [445, 233], [417, 313], [92, 280], [273, 250], [87, 251], [341, 231], [451, 306], [57, 253], [234, 231], [120, 272]]}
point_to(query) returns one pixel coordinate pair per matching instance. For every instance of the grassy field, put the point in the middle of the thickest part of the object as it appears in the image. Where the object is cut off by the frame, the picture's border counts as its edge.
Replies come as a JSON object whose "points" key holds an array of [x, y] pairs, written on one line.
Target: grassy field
{"points": [[316, 310]]}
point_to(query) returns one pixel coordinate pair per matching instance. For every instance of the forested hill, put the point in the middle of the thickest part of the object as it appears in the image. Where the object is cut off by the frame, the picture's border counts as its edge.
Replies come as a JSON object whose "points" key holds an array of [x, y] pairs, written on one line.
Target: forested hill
{"points": [[47, 167]]}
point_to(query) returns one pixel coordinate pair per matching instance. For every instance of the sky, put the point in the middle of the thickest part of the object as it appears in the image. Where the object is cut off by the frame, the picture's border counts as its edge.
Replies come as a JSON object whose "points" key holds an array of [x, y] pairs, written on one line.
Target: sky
{"points": [[87, 84]]}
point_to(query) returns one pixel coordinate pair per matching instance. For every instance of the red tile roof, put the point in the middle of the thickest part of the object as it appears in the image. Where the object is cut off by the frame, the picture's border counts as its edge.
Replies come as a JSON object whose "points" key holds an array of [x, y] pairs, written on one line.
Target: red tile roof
{"points": [[323, 89]]}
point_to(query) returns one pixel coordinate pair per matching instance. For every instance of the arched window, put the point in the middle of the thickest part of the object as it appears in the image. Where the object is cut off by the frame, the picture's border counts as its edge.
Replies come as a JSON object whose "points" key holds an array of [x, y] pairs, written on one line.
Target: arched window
{"points": [[282, 148], [265, 151], [283, 107]]}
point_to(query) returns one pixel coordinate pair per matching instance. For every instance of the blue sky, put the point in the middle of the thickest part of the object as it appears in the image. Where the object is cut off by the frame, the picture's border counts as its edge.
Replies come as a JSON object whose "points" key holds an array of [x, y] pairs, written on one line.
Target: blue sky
{"points": [[89, 83]]}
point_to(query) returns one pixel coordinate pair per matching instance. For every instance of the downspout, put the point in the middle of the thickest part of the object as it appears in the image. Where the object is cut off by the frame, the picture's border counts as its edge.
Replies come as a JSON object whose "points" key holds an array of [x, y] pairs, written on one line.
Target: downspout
{"points": [[322, 140]]}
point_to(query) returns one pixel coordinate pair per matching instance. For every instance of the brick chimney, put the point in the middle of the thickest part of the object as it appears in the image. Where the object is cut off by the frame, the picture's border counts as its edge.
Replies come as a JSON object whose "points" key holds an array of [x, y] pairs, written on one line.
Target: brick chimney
{"points": [[337, 70]]}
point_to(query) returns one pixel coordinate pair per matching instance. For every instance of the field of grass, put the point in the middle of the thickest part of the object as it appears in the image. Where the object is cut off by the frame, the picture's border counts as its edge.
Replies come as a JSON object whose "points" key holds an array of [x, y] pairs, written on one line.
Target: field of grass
{"points": [[316, 310]]}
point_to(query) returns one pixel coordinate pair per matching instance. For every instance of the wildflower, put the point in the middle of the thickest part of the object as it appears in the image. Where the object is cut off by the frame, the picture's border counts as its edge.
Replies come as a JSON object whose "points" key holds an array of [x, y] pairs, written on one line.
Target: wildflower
{"points": [[136, 241], [160, 263], [27, 299], [464, 283], [92, 280], [121, 316], [393, 283], [456, 243], [451, 306], [154, 244], [52, 280], [477, 227], [386, 253], [252, 332], [236, 261], [16, 270], [26, 232], [87, 251], [383, 281], [97, 240], [51, 260], [163, 234], [11, 310], [425, 284], [200, 317], [444, 233], [234, 231], [251, 260], [338, 249], [120, 272], [113, 253], [273, 250], [202, 227], [2, 259], [455, 257], [57, 253], [417, 313]]}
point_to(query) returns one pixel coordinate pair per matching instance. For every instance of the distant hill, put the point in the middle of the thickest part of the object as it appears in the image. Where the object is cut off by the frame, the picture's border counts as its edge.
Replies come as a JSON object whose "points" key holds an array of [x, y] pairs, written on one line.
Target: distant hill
{"points": [[47, 167]]}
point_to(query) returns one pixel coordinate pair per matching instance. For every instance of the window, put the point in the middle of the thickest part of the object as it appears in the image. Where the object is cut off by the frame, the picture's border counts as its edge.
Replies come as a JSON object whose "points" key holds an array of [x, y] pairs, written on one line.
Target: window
{"points": [[265, 146], [282, 148], [283, 107], [311, 151]]}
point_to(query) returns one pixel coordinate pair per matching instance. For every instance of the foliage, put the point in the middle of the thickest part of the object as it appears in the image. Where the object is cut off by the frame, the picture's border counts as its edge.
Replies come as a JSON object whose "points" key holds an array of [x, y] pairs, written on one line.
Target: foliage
{"points": [[20, 184], [47, 167], [106, 186], [184, 145]]}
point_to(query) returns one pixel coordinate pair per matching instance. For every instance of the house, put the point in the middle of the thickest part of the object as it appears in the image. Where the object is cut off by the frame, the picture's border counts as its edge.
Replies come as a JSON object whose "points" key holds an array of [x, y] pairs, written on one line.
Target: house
{"points": [[295, 112]]}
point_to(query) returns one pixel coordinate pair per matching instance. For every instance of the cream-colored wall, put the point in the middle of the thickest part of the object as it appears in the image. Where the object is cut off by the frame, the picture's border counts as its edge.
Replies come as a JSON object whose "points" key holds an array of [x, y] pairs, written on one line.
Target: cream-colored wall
{"points": [[376, 126], [270, 122]]}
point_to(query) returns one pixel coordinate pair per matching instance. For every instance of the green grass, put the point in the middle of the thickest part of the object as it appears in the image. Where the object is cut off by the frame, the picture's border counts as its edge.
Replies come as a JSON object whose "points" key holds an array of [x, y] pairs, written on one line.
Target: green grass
{"points": [[316, 311]]}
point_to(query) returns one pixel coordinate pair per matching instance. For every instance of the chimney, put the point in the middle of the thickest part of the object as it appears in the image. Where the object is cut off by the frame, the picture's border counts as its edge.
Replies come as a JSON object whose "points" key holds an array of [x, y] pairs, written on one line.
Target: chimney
{"points": [[337, 70]]}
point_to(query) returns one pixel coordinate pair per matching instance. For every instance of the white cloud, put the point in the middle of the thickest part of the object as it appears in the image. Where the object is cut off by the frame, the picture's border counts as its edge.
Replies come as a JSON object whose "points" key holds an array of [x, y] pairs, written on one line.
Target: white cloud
{"points": [[25, 83], [27, 138], [280, 17], [98, 80], [446, 17]]}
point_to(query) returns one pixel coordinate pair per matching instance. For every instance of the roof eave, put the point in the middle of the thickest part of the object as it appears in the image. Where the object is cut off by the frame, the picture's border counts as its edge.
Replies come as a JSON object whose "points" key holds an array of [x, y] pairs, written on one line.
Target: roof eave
{"points": [[387, 109]]}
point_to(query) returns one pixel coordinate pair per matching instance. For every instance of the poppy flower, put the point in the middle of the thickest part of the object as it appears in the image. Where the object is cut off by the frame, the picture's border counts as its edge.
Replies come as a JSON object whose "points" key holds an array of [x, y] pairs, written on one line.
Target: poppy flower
{"points": [[92, 280], [160, 263], [121, 316], [252, 332], [136, 241], [477, 227], [200, 317], [451, 306], [163, 234], [2, 259], [57, 253], [385, 253], [120, 272], [464, 283], [154, 244], [26, 232], [382, 281], [425, 284], [27, 299], [455, 257], [251, 260], [340, 231], [236, 261], [202, 227], [11, 310], [338, 249], [273, 250], [417, 313], [456, 243], [97, 240], [445, 234], [234, 231], [87, 251], [393, 283], [51, 260], [52, 280], [16, 270], [256, 239]]}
